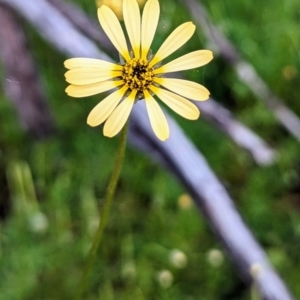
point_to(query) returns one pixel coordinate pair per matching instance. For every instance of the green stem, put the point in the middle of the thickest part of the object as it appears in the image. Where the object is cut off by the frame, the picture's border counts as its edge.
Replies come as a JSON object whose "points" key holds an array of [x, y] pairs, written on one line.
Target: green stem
{"points": [[254, 292], [105, 211]]}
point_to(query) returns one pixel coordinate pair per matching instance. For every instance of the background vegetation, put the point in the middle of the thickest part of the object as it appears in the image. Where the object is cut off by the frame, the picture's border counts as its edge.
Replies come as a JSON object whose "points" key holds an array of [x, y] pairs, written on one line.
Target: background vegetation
{"points": [[51, 190]]}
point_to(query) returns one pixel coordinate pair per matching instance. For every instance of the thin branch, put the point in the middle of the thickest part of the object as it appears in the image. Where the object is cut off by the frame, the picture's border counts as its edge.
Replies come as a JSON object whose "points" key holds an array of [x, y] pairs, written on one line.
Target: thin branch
{"points": [[244, 70], [81, 21], [55, 28], [242, 135], [192, 170]]}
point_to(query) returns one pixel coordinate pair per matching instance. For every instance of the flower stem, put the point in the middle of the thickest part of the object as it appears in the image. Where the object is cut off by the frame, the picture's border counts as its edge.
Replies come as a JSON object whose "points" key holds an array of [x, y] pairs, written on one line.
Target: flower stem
{"points": [[105, 211]]}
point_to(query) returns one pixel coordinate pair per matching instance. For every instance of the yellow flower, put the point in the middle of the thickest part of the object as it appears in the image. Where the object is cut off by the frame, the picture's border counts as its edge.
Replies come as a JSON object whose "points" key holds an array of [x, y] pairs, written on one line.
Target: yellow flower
{"points": [[139, 76]]}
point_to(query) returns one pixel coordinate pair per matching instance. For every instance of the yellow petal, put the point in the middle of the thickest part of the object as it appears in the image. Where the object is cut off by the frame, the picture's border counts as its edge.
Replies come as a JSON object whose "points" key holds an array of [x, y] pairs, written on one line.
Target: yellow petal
{"points": [[82, 62], [157, 118], [79, 91], [174, 41], [103, 110], [84, 76], [189, 61], [111, 26], [119, 116], [149, 25], [132, 20], [180, 105], [185, 88]]}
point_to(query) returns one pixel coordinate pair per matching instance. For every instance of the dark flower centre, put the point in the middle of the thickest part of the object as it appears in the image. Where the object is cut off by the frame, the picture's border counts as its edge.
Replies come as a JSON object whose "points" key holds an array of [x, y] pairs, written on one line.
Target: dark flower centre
{"points": [[137, 74]]}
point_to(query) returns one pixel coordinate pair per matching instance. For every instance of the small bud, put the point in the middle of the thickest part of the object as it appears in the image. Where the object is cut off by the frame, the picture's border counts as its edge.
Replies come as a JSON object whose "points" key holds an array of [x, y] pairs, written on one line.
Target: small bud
{"points": [[165, 278], [38, 222], [129, 270], [256, 270], [178, 259], [185, 201], [215, 257], [289, 72], [116, 6]]}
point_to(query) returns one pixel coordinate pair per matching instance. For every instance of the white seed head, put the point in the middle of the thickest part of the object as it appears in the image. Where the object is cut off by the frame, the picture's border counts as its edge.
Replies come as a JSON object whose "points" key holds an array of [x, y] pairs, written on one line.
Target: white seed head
{"points": [[38, 222], [215, 257], [256, 270], [178, 258], [165, 278]]}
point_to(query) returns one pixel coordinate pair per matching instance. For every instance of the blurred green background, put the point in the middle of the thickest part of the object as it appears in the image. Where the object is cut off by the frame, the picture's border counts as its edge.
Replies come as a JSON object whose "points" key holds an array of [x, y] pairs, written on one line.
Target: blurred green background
{"points": [[157, 244]]}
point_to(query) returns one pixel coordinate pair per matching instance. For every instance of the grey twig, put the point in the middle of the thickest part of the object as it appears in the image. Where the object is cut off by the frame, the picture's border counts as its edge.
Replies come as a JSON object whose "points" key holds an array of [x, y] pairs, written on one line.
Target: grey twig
{"points": [[242, 135], [182, 158], [244, 70], [56, 29], [192, 170], [81, 21]]}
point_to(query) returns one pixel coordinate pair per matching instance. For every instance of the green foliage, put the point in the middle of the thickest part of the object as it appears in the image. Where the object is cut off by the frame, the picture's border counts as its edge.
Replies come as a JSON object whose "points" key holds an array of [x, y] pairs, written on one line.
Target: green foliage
{"points": [[52, 190]]}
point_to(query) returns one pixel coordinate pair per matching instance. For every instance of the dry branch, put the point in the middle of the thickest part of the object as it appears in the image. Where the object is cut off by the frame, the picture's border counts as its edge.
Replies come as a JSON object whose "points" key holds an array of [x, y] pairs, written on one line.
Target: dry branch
{"points": [[190, 167], [244, 70], [242, 135], [179, 154], [81, 21]]}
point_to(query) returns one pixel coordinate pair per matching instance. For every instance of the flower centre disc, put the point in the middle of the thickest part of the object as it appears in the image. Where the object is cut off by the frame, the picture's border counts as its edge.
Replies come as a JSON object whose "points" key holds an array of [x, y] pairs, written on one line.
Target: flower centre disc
{"points": [[137, 74]]}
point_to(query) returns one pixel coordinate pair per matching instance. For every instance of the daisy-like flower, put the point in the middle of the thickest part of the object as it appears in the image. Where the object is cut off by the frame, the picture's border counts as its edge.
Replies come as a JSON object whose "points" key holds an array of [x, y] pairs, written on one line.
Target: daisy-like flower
{"points": [[140, 74]]}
